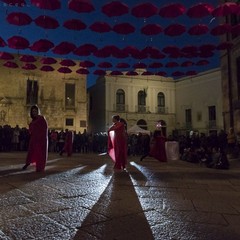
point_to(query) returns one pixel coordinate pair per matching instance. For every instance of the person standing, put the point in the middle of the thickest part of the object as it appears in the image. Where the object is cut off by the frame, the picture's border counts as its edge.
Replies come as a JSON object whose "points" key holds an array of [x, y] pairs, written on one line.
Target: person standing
{"points": [[38, 142], [117, 143], [68, 145]]}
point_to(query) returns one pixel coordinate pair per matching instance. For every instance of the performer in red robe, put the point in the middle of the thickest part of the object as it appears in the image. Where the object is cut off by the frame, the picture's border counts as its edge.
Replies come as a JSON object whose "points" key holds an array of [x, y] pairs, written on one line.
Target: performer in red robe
{"points": [[117, 143], [157, 147], [68, 145], [38, 143]]}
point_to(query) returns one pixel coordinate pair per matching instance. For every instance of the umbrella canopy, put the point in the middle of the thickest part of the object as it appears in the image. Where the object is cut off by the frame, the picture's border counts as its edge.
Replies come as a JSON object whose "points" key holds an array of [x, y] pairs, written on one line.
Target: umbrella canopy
{"points": [[18, 42], [27, 58], [116, 73], [170, 49], [81, 6], [187, 64], [191, 73], [171, 64], [172, 10], [122, 65], [161, 73], [29, 66], [64, 48], [46, 22], [82, 71], [144, 10], [123, 28], [175, 30], [155, 65], [86, 64], [42, 45], [67, 63], [99, 72], [225, 9], [202, 62], [18, 18], [151, 29], [115, 8], [48, 60], [47, 68], [139, 65], [200, 10], [178, 74], [131, 73], [74, 24], [10, 64], [6, 56], [198, 29], [47, 4], [147, 73], [221, 29], [100, 27], [64, 70], [105, 65]]}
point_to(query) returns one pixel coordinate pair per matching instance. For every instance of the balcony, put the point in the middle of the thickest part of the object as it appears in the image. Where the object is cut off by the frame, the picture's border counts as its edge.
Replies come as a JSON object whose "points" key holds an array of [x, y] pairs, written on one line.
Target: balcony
{"points": [[161, 110], [120, 108], [142, 109]]}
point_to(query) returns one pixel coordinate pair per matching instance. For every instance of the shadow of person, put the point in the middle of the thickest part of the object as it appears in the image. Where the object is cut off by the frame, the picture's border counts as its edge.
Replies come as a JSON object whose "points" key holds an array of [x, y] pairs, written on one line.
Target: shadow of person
{"points": [[121, 211]]}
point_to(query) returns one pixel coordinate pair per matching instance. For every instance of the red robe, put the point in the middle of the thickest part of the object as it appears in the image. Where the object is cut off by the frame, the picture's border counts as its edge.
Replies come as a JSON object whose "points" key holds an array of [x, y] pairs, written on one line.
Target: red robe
{"points": [[157, 149], [38, 143], [117, 145], [68, 145]]}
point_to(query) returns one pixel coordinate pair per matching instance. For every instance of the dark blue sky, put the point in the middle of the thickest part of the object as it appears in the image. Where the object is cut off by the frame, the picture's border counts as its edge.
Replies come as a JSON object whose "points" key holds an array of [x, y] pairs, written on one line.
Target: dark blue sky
{"points": [[137, 39]]}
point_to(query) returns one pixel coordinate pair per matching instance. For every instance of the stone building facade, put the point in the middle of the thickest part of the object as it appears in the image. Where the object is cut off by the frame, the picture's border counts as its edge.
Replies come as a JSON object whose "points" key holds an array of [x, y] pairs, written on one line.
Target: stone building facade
{"points": [[192, 103], [61, 97]]}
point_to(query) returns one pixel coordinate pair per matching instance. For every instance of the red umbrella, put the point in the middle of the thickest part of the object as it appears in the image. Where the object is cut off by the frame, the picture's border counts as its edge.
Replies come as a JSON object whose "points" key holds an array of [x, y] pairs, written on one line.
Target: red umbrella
{"points": [[187, 64], [172, 10], [157, 55], [27, 58], [130, 50], [175, 30], [236, 29], [144, 10], [224, 46], [48, 60], [115, 8], [100, 27], [102, 53], [200, 10], [85, 50], [82, 71], [207, 47], [47, 4], [64, 48], [17, 3], [151, 29], [99, 72], [131, 73], [29, 66], [151, 50], [116, 73], [171, 64], [81, 6], [64, 70], [206, 54], [139, 65], [198, 29], [123, 28], [202, 62], [176, 55], [87, 64], [42, 45], [189, 49], [2, 43], [46, 22], [139, 55], [147, 73], [191, 73], [110, 49], [226, 8], [163, 74], [105, 65], [47, 68], [18, 18], [221, 29], [6, 56], [118, 53], [170, 49], [67, 62], [122, 65], [18, 42], [155, 65], [10, 64], [74, 24], [178, 74]]}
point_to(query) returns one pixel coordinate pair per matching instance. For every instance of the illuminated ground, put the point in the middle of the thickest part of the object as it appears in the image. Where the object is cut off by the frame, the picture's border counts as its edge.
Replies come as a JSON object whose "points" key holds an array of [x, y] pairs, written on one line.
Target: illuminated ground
{"points": [[81, 197]]}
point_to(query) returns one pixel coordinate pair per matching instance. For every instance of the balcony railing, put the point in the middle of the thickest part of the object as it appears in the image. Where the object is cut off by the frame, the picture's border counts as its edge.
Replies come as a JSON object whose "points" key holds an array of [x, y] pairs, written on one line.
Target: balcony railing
{"points": [[120, 108], [142, 109], [161, 110]]}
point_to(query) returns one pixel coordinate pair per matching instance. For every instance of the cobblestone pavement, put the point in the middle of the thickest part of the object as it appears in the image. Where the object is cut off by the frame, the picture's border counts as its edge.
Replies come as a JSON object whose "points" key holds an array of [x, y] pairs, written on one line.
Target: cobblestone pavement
{"points": [[81, 197]]}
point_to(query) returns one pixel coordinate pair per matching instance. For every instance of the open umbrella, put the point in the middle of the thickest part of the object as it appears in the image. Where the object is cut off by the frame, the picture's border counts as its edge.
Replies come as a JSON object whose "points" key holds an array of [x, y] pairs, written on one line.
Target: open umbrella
{"points": [[147, 73], [27, 58], [81, 6], [122, 65], [157, 55], [100, 27], [187, 64], [64, 48], [18, 42], [178, 74], [235, 30], [6, 56], [82, 71], [99, 72], [224, 46], [151, 50], [155, 65], [171, 64], [67, 63], [119, 53], [191, 73], [144, 10], [18, 18], [200, 10], [189, 49], [2, 43], [86, 64], [29, 66], [116, 73], [123, 28], [47, 68], [202, 62], [48, 60], [74, 24], [175, 29], [221, 29], [225, 9], [207, 47], [172, 10], [110, 49], [170, 49], [115, 8], [17, 3], [130, 50], [102, 53], [131, 73], [198, 29], [10, 64], [139, 55], [47, 4], [105, 65], [46, 22], [42, 45], [151, 29], [163, 74], [64, 70], [139, 65]]}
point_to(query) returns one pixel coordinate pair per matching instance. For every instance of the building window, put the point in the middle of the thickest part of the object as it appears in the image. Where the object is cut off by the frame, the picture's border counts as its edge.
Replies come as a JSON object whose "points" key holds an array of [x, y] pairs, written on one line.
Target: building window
{"points": [[238, 76], [141, 101], [120, 100], [69, 95], [161, 100], [188, 118], [69, 122], [212, 116], [32, 92], [83, 123]]}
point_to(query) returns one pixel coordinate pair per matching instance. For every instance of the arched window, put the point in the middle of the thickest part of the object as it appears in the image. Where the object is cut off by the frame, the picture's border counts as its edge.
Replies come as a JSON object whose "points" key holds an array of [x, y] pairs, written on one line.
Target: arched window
{"points": [[141, 101], [120, 100], [161, 103]]}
